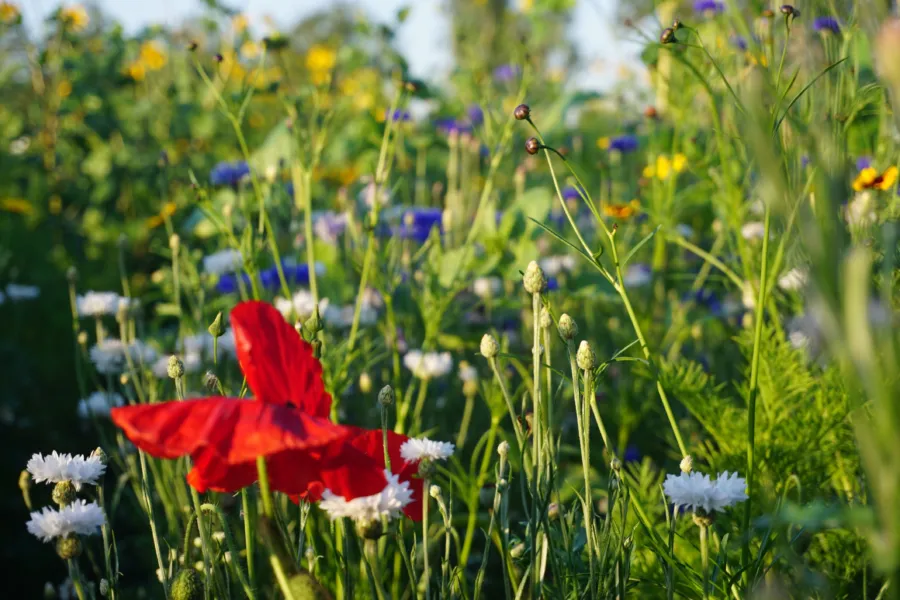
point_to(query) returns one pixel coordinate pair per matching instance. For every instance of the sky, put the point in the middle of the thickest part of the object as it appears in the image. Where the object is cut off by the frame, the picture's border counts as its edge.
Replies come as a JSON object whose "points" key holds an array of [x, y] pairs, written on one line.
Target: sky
{"points": [[422, 39]]}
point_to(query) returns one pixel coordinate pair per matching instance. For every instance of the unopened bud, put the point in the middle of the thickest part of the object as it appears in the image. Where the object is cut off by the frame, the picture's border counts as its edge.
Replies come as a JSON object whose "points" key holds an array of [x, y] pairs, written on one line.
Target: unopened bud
{"points": [[534, 280], [667, 36], [426, 468], [211, 381], [175, 368], [25, 486], [435, 492], [82, 338], [365, 383], [554, 511], [64, 493], [174, 242], [187, 585], [217, 327], [585, 356], [545, 319], [567, 327], [386, 396], [532, 146], [522, 112], [503, 449], [517, 551], [687, 464], [615, 464], [104, 588], [489, 346]]}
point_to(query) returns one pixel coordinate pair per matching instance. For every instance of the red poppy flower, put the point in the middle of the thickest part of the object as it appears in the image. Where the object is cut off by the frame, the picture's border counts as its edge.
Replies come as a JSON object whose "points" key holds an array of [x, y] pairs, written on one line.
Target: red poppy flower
{"points": [[288, 422]]}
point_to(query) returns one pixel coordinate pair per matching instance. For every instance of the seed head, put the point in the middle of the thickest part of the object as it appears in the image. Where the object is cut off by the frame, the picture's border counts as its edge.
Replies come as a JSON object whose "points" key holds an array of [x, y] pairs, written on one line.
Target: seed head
{"points": [[175, 368], [386, 396], [532, 146], [615, 464], [567, 327], [534, 280], [82, 338], [585, 356], [522, 112], [489, 346], [68, 547], [211, 381]]}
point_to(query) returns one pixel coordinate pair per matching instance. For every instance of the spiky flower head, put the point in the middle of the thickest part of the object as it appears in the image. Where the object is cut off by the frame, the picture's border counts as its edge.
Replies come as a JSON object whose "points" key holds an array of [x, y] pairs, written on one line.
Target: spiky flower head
{"points": [[534, 280], [79, 518], [56, 468], [696, 491], [415, 450], [687, 464]]}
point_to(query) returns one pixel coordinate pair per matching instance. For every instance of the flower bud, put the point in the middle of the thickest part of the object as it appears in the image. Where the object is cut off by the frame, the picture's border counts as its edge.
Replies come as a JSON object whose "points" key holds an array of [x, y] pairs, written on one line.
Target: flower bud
{"points": [[313, 324], [174, 242], [545, 319], [25, 486], [503, 449], [567, 327], [211, 381], [502, 485], [64, 493], [104, 588], [585, 356], [386, 396], [365, 383], [532, 146], [687, 464], [435, 492], [615, 464], [667, 36], [517, 551], [217, 327], [554, 511], [187, 585], [303, 585], [489, 346], [175, 368], [676, 25], [68, 547], [522, 112], [192, 46], [370, 530], [702, 519], [470, 388], [100, 455], [534, 279], [426, 468], [789, 11]]}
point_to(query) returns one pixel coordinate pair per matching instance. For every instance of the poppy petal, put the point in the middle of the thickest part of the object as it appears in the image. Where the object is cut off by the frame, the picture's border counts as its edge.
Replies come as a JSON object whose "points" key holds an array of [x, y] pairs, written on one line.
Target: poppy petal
{"points": [[279, 366], [234, 430]]}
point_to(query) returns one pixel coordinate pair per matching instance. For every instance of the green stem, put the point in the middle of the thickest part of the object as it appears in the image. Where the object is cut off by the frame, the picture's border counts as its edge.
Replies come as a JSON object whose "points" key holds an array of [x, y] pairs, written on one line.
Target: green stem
{"points": [[249, 539], [537, 449], [425, 503], [75, 576], [704, 557], [145, 488], [583, 427], [269, 512], [416, 425]]}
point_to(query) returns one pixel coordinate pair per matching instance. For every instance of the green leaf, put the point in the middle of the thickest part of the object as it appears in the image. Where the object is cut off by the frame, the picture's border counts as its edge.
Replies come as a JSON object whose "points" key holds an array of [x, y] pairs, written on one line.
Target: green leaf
{"points": [[639, 245]]}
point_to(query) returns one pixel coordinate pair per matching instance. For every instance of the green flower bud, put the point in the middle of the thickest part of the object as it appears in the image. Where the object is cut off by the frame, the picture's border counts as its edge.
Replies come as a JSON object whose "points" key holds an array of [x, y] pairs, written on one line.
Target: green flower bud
{"points": [[701, 519], [426, 468], [489, 346], [217, 327], [64, 493], [503, 449], [554, 511], [101, 455], [545, 320], [567, 327], [687, 464], [25, 486], [386, 396], [314, 324], [304, 586], [534, 279], [517, 551], [585, 356], [435, 492], [370, 530], [69, 547], [187, 585], [176, 367]]}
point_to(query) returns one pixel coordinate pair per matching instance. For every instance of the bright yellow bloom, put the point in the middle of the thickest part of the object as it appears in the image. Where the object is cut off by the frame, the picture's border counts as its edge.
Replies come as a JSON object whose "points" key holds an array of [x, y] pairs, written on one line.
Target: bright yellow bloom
{"points": [[664, 166], [16, 205], [239, 22], [526, 5], [603, 143], [136, 71], [679, 162], [869, 178], [64, 88], [75, 17], [152, 56], [760, 59], [167, 211], [320, 60], [9, 12], [249, 49]]}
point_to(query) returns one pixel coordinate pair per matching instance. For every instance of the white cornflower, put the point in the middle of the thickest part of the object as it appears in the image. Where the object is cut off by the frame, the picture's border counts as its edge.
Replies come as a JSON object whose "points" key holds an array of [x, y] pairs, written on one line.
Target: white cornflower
{"points": [[97, 304], [860, 212], [637, 275], [414, 450], [55, 467], [554, 265], [224, 261], [753, 230], [794, 279], [487, 287], [428, 365], [467, 372], [388, 503], [302, 303], [109, 356], [99, 404], [696, 491], [16, 292], [79, 518]]}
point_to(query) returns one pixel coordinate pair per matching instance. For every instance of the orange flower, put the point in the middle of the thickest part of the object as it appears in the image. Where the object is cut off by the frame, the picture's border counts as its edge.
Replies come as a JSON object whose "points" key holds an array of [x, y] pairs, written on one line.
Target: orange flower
{"points": [[16, 205], [869, 178], [622, 211]]}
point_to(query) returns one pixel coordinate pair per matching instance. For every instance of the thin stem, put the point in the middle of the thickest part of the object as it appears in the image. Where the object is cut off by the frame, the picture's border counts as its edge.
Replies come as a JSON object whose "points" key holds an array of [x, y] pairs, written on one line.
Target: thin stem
{"points": [[265, 492], [704, 557], [145, 488], [584, 447], [537, 449], [248, 537], [75, 576], [425, 503]]}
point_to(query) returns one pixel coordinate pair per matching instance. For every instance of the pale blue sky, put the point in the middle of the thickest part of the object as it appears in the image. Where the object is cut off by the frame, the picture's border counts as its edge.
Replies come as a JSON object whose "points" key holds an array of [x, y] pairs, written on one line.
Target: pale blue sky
{"points": [[421, 38]]}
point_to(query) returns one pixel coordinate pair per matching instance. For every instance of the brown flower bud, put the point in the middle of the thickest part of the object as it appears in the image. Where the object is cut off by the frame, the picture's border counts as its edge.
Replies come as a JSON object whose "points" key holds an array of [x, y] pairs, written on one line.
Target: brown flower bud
{"points": [[532, 146], [522, 112]]}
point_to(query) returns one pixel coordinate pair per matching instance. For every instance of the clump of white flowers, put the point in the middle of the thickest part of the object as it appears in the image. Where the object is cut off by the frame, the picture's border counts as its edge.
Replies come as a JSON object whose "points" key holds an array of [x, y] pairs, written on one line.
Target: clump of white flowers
{"points": [[554, 265], [487, 287], [222, 262], [794, 279], [97, 304], [78, 518], [697, 492], [98, 404], [301, 303], [753, 230], [110, 356], [58, 468], [428, 365], [415, 450], [386, 504]]}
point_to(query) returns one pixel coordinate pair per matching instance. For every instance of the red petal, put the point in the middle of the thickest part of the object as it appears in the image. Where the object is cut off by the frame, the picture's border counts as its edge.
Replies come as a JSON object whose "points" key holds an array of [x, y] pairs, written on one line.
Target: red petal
{"points": [[279, 365], [235, 431]]}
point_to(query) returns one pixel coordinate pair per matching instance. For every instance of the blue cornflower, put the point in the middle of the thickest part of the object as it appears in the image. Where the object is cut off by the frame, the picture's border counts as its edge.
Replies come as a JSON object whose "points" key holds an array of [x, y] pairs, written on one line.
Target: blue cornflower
{"points": [[826, 24], [863, 162], [476, 115], [296, 274], [417, 223], [552, 284], [804, 161], [739, 42], [708, 6], [571, 193], [399, 115], [448, 125], [229, 173], [505, 73], [631, 454], [624, 143], [707, 299]]}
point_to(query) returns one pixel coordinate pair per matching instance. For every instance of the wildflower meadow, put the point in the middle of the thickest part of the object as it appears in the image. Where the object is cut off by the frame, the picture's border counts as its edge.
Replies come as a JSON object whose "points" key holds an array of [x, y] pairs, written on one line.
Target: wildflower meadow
{"points": [[280, 319]]}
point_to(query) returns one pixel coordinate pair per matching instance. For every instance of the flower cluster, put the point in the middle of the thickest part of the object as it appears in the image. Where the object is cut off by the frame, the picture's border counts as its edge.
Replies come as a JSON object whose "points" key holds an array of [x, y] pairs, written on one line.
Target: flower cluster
{"points": [[695, 491]]}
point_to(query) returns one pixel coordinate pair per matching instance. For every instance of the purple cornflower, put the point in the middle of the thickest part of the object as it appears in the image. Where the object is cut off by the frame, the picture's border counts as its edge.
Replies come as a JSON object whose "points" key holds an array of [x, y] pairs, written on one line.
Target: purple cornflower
{"points": [[863, 162], [739, 42], [476, 115], [448, 125], [624, 143], [708, 6], [571, 193], [297, 274], [417, 223], [826, 24], [804, 161], [505, 73], [399, 115], [229, 173]]}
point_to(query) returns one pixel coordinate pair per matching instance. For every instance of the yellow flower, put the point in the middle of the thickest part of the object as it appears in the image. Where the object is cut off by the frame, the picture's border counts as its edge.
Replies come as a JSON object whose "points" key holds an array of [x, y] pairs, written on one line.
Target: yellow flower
{"points": [[319, 61], [249, 49], [167, 211], [64, 88], [663, 166], [152, 56], [526, 5], [16, 205], [869, 178], [603, 143], [9, 12], [761, 59], [239, 22], [136, 71], [679, 162], [75, 17]]}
